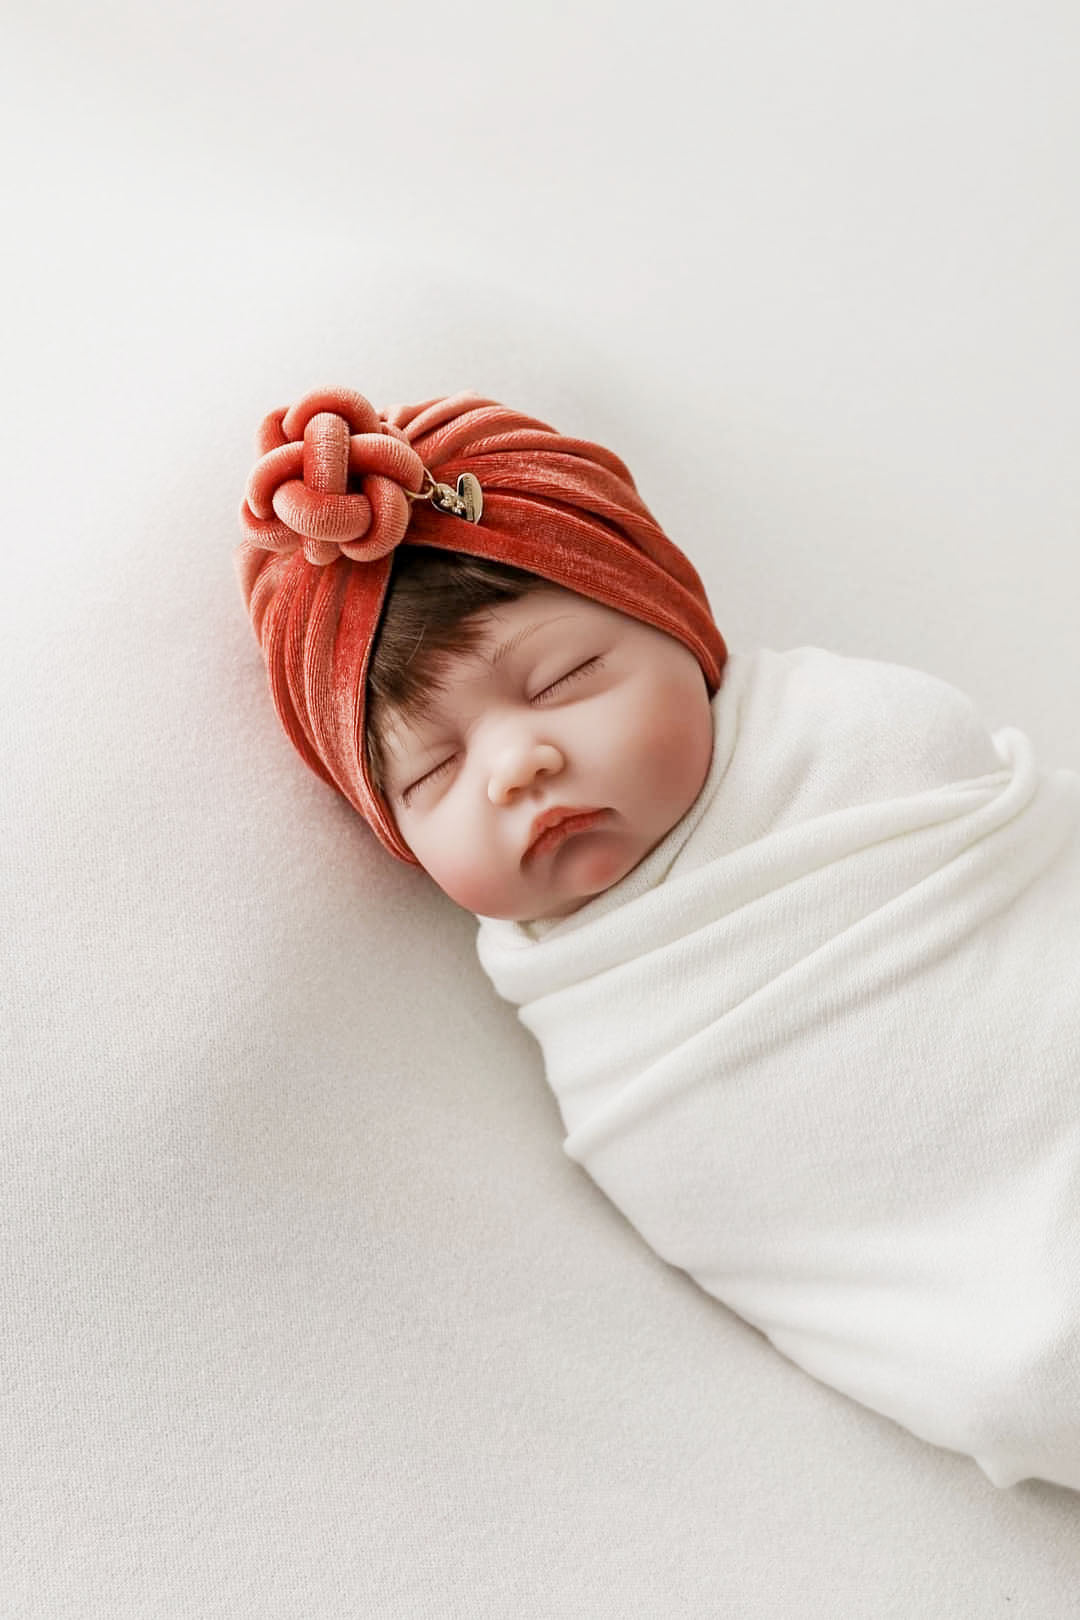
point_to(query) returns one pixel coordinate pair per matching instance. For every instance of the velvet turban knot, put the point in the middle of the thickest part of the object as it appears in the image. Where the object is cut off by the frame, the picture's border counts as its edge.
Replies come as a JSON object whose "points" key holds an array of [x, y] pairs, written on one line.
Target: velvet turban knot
{"points": [[339, 485]]}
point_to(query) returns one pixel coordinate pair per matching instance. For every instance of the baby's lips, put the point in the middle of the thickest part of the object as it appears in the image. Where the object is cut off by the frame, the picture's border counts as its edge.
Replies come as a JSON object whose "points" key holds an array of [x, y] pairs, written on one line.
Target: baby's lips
{"points": [[555, 837]]}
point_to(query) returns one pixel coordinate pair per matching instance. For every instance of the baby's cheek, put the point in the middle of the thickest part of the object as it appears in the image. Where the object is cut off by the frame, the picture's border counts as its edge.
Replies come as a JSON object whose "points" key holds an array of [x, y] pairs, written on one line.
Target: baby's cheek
{"points": [[665, 725], [677, 747], [472, 880]]}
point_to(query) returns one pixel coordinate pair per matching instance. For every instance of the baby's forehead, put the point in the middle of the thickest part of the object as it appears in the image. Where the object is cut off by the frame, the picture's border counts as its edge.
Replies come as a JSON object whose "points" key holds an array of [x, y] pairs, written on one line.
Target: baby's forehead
{"points": [[436, 705]]}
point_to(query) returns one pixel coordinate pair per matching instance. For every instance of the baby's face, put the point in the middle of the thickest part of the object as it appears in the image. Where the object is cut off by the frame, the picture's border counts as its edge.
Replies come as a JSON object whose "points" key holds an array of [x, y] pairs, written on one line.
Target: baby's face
{"points": [[629, 733]]}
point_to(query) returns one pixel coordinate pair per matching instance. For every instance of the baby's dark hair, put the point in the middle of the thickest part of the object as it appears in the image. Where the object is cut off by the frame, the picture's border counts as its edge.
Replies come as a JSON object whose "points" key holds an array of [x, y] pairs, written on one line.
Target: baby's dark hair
{"points": [[434, 607]]}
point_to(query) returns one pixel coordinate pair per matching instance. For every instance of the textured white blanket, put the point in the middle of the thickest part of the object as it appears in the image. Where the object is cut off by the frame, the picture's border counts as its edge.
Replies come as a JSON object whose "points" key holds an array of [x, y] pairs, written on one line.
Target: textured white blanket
{"points": [[822, 1048]]}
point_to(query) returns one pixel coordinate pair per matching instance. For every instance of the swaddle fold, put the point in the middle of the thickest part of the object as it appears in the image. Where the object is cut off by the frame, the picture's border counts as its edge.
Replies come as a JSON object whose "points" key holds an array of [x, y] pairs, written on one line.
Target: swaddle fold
{"points": [[822, 1048]]}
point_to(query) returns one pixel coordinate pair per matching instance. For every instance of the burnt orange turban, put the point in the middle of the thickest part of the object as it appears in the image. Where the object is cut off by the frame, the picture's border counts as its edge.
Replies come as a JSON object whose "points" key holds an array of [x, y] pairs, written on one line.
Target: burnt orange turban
{"points": [[338, 485]]}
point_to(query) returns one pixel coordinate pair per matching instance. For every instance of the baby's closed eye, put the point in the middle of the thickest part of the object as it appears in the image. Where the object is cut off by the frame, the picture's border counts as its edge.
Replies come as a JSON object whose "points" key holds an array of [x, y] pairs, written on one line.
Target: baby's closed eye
{"points": [[569, 677], [437, 770]]}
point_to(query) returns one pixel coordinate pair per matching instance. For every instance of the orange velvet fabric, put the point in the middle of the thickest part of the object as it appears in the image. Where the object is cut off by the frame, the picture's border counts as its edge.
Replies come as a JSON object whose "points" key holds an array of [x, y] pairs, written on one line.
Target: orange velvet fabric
{"points": [[325, 507]]}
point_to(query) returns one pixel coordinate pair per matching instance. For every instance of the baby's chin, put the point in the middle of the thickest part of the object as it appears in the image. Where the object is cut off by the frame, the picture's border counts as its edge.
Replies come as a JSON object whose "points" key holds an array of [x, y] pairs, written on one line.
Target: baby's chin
{"points": [[599, 869], [562, 911], [576, 876], [535, 911]]}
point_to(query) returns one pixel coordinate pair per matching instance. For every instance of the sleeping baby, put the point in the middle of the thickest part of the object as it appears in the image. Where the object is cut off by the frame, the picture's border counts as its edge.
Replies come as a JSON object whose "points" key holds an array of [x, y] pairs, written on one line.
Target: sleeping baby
{"points": [[797, 935]]}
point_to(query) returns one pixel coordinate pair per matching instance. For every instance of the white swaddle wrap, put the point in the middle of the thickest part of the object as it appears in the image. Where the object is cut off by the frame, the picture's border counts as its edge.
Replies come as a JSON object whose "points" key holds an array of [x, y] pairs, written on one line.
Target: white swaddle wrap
{"points": [[821, 1047]]}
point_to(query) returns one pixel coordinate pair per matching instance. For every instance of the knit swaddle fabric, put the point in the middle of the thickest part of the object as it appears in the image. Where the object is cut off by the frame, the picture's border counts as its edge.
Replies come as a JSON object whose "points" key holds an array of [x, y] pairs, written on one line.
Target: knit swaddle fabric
{"points": [[821, 1047]]}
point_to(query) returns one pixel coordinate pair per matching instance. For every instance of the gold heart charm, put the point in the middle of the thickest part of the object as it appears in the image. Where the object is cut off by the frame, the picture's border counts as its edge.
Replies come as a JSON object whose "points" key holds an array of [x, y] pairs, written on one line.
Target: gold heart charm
{"points": [[471, 497], [466, 501]]}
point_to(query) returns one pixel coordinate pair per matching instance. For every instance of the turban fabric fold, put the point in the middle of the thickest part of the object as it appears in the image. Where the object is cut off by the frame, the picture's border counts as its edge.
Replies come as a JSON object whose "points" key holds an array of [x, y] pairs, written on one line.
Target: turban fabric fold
{"points": [[338, 486]]}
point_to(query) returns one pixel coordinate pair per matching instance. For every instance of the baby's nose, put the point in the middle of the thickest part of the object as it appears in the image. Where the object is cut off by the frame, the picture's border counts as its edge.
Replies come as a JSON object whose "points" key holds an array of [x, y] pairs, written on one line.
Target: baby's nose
{"points": [[518, 767]]}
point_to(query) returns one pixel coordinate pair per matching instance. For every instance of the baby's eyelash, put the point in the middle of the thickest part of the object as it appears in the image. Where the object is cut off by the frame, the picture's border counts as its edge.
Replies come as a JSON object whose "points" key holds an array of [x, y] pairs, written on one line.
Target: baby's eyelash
{"points": [[428, 777], [563, 680], [554, 687]]}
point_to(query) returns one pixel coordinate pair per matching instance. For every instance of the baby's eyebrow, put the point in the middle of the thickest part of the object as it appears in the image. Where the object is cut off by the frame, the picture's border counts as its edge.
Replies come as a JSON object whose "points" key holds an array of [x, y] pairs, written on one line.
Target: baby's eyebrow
{"points": [[507, 646]]}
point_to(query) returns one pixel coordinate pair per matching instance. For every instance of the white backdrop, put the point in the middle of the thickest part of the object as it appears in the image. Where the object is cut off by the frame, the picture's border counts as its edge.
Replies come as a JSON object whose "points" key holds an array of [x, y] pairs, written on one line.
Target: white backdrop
{"points": [[302, 1309]]}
